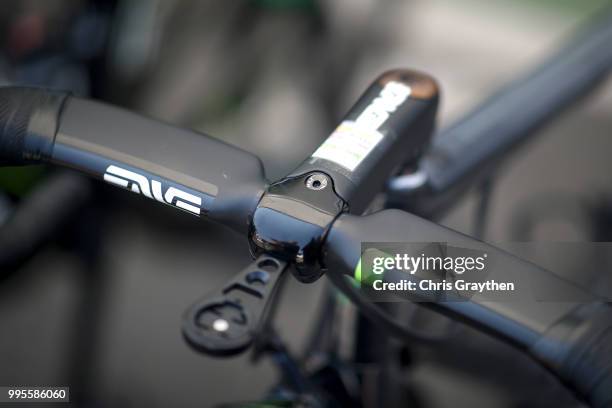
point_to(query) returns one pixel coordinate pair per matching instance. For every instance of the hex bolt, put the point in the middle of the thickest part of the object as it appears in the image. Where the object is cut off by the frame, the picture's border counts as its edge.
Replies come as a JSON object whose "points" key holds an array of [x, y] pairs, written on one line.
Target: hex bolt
{"points": [[317, 181]]}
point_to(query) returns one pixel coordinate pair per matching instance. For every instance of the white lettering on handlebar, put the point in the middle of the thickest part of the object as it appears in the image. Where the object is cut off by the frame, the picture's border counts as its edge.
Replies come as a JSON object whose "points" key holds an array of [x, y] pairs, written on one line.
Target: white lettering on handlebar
{"points": [[140, 184]]}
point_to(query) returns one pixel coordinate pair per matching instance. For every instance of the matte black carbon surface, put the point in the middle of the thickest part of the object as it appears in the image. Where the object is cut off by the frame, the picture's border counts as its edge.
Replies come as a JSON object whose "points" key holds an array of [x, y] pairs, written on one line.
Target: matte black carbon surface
{"points": [[227, 321], [519, 322], [228, 181]]}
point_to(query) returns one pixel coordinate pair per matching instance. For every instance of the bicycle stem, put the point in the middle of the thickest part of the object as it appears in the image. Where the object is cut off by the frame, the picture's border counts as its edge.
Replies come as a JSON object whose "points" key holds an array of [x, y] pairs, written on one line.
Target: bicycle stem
{"points": [[390, 123]]}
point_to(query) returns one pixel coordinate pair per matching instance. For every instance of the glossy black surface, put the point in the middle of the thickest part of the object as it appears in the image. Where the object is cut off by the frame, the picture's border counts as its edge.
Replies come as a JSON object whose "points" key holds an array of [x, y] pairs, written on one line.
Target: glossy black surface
{"points": [[291, 222]]}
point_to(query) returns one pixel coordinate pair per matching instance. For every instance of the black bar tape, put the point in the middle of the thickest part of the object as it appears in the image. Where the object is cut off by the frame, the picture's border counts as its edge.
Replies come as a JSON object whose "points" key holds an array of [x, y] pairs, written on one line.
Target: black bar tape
{"points": [[579, 350], [28, 123]]}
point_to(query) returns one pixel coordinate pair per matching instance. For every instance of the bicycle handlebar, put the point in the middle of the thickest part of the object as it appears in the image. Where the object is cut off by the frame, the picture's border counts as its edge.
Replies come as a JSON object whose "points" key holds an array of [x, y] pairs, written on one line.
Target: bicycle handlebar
{"points": [[185, 169], [569, 337], [297, 220]]}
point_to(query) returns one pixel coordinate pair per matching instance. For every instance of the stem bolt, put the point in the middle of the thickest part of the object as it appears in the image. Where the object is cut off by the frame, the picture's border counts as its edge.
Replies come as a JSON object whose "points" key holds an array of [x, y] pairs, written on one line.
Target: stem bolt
{"points": [[317, 181]]}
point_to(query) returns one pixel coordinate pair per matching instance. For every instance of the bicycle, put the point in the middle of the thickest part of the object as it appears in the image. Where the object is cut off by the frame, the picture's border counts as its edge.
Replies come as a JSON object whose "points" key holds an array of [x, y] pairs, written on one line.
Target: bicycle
{"points": [[311, 219]]}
